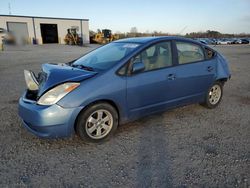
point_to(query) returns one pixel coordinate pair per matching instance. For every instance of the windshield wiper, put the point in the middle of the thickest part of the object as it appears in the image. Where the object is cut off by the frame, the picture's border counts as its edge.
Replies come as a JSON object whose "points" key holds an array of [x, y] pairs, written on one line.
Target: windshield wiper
{"points": [[83, 67]]}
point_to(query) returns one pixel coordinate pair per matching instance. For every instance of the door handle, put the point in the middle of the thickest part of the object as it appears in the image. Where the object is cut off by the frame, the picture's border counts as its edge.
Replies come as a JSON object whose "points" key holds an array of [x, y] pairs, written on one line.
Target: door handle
{"points": [[171, 77], [210, 68]]}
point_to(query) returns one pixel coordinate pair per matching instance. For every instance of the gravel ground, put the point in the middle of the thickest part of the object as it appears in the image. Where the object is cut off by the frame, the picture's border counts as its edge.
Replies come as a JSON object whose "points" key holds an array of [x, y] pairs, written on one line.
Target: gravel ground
{"points": [[185, 147]]}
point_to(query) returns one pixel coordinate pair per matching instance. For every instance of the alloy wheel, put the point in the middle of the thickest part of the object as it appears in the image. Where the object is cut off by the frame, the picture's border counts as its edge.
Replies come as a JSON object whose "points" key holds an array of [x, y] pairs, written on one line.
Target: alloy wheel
{"points": [[99, 124], [215, 94]]}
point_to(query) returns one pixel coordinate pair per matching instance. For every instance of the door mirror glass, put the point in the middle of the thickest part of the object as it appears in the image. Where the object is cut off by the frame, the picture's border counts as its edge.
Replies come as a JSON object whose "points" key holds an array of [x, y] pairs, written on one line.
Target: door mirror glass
{"points": [[138, 67]]}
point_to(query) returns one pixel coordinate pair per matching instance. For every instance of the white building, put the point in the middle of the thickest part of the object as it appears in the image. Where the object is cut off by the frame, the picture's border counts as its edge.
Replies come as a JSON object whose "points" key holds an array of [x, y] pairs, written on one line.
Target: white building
{"points": [[43, 30]]}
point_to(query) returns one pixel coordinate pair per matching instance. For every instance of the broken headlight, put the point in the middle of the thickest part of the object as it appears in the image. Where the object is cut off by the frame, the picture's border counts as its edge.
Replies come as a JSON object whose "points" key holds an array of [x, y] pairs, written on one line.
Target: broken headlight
{"points": [[30, 80]]}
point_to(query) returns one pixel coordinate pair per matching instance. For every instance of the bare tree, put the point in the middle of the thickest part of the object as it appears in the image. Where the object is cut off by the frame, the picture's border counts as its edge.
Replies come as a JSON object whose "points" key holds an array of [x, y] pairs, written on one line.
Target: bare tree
{"points": [[133, 30]]}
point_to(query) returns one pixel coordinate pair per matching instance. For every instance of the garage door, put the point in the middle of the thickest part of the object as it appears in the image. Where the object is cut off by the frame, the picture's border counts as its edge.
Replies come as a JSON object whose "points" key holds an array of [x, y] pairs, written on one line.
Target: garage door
{"points": [[20, 31], [49, 33]]}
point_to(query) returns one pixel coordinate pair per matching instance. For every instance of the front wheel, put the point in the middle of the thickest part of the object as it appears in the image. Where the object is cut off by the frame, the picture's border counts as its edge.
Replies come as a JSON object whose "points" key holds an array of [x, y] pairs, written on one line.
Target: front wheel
{"points": [[97, 123], [214, 95]]}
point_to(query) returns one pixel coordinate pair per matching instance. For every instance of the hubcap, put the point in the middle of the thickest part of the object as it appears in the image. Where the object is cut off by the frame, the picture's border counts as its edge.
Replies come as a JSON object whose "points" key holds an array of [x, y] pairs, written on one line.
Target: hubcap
{"points": [[99, 124], [214, 94]]}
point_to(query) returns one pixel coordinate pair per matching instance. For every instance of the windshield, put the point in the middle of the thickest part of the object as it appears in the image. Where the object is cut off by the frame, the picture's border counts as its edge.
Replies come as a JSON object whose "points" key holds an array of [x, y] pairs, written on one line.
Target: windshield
{"points": [[105, 56]]}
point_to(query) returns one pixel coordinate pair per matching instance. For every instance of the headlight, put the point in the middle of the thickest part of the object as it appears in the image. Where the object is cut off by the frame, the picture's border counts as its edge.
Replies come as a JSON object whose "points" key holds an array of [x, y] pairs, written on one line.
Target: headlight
{"points": [[30, 80], [54, 95]]}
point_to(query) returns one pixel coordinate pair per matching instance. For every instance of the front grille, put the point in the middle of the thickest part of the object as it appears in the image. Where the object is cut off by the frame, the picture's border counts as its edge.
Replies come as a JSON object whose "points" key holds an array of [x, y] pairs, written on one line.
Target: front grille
{"points": [[31, 95]]}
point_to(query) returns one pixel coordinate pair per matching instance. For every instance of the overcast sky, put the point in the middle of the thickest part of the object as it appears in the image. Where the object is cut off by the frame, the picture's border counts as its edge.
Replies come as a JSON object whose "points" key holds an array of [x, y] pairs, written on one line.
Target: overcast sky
{"points": [[172, 16]]}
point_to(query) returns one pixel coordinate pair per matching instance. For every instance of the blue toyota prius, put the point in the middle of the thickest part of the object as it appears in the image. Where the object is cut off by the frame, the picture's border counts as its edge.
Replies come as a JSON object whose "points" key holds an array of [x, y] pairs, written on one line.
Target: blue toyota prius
{"points": [[120, 82]]}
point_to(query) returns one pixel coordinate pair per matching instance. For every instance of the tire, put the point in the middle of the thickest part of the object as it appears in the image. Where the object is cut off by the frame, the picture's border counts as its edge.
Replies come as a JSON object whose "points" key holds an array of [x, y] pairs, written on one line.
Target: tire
{"points": [[97, 123], [214, 95]]}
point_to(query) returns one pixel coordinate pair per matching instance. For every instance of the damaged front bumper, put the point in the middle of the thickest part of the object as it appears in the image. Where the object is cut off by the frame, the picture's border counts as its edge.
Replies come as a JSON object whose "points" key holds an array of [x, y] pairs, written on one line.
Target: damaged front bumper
{"points": [[51, 121]]}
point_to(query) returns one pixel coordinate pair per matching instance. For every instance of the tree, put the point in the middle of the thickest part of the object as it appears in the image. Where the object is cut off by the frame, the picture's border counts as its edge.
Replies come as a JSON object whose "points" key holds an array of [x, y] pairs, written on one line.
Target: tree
{"points": [[133, 30], [207, 34]]}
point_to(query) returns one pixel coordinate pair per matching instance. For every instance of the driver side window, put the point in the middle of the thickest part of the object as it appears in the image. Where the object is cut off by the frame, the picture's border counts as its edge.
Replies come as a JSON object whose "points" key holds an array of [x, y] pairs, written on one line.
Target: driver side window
{"points": [[156, 56]]}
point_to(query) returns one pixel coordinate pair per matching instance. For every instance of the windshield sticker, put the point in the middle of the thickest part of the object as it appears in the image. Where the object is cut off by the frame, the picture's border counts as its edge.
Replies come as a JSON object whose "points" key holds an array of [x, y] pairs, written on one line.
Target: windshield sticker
{"points": [[130, 45]]}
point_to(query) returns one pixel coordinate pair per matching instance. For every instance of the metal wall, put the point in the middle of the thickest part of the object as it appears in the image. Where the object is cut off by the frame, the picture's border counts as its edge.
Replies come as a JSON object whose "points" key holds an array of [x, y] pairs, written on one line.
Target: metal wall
{"points": [[33, 26]]}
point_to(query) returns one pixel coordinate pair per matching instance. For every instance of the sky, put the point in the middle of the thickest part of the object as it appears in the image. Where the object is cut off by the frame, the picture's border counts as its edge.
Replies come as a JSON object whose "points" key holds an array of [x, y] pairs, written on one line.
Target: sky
{"points": [[168, 16]]}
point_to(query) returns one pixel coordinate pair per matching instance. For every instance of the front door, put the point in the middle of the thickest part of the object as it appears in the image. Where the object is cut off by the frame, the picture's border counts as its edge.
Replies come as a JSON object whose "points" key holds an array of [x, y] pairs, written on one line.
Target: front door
{"points": [[149, 90]]}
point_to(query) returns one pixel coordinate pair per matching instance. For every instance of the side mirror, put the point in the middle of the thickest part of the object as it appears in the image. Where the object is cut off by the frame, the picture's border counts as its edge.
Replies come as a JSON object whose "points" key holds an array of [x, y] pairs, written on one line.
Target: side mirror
{"points": [[138, 67]]}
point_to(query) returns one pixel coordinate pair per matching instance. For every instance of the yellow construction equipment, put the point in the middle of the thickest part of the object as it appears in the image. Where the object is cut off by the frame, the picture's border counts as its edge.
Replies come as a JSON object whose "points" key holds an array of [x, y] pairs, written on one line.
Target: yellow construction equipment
{"points": [[104, 37], [72, 37]]}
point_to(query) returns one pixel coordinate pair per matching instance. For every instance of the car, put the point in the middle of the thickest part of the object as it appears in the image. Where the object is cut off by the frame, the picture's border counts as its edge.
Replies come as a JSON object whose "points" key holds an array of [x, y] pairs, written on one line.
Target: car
{"points": [[202, 40], [118, 83], [244, 41], [236, 41], [223, 41], [206, 41]]}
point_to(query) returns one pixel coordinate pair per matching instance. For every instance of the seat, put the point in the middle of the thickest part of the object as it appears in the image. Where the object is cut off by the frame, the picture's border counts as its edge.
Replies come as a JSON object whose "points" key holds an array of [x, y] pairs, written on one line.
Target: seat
{"points": [[164, 59], [145, 60]]}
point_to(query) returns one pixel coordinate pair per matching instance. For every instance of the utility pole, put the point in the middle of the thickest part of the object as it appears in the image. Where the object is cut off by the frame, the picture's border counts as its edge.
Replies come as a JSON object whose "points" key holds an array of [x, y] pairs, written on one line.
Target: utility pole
{"points": [[9, 8]]}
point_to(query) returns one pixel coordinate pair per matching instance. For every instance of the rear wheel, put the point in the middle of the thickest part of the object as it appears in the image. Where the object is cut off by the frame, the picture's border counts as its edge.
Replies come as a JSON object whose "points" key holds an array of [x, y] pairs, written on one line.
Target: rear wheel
{"points": [[214, 95], [97, 123]]}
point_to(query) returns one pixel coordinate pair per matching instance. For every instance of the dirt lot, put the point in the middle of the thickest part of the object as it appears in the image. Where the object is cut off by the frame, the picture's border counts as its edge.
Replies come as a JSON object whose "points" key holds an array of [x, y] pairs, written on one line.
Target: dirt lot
{"points": [[186, 147]]}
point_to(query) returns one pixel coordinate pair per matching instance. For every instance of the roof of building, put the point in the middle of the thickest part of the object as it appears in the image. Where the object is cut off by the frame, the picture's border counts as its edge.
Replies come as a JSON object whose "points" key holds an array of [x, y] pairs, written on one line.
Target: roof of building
{"points": [[1, 15]]}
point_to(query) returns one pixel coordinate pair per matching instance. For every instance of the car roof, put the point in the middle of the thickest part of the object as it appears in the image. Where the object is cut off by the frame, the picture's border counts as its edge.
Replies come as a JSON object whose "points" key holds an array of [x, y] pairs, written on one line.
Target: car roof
{"points": [[143, 40]]}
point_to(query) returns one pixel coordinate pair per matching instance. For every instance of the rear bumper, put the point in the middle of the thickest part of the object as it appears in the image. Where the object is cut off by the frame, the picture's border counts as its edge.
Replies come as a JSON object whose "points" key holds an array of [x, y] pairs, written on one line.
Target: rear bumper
{"points": [[48, 121]]}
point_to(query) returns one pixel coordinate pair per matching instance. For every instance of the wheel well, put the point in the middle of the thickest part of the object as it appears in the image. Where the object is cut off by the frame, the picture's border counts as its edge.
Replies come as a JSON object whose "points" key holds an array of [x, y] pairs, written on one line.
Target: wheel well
{"points": [[96, 102], [222, 80]]}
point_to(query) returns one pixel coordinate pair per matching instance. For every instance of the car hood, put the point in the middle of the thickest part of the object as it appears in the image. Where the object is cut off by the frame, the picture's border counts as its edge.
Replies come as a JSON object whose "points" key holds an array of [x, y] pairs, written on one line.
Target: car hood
{"points": [[55, 74]]}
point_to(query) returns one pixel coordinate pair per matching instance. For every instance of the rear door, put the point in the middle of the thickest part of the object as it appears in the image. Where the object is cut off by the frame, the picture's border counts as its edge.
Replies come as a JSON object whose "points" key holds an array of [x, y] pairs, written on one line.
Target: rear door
{"points": [[195, 72]]}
